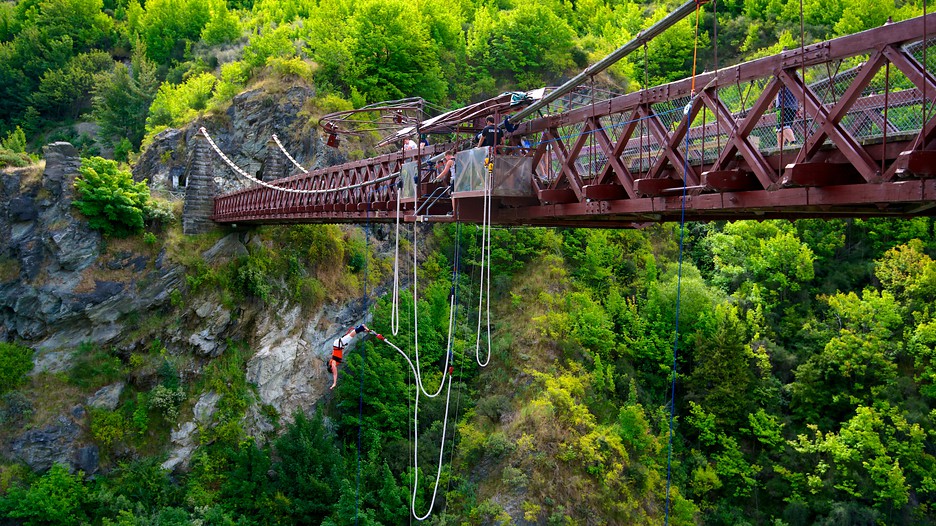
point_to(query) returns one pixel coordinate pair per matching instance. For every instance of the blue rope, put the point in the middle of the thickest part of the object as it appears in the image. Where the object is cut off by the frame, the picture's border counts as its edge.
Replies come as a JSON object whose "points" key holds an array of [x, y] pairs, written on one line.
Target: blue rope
{"points": [[672, 403]]}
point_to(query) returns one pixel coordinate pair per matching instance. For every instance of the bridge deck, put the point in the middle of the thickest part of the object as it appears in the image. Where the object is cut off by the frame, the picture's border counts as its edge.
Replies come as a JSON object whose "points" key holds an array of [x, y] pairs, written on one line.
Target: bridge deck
{"points": [[865, 146]]}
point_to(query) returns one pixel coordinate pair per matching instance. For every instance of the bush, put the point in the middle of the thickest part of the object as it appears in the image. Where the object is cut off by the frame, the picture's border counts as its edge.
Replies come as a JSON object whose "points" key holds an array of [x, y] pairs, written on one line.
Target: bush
{"points": [[8, 158], [15, 410], [167, 400], [110, 199], [108, 427], [15, 141], [56, 499], [15, 364]]}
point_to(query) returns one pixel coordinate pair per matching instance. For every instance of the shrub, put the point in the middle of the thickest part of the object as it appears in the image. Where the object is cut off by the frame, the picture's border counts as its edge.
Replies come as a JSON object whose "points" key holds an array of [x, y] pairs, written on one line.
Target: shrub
{"points": [[94, 367], [15, 410], [110, 199], [122, 150], [107, 427], [8, 158], [55, 498], [15, 363], [15, 141], [167, 400]]}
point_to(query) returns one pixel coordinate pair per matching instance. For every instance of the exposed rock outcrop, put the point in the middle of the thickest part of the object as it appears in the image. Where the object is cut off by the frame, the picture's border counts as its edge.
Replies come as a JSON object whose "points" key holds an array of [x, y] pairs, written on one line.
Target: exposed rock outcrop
{"points": [[243, 133]]}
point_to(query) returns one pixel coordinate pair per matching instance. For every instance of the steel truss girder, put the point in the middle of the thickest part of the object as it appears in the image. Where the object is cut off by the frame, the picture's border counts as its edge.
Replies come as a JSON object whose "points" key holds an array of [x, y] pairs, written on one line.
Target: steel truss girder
{"points": [[877, 192]]}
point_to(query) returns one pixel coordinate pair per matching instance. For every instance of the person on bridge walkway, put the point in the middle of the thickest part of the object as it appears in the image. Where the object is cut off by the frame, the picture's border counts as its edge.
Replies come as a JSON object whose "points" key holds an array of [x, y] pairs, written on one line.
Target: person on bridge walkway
{"points": [[338, 348], [447, 175], [787, 108], [490, 134]]}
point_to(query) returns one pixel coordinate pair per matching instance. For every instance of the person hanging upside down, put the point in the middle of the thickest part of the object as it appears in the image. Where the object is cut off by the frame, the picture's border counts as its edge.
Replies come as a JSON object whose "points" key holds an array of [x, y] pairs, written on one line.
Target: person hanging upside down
{"points": [[338, 348]]}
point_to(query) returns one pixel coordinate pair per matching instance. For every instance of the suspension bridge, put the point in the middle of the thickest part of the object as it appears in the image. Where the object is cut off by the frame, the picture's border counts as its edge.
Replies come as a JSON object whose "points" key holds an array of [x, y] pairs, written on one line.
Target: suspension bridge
{"points": [[864, 130]]}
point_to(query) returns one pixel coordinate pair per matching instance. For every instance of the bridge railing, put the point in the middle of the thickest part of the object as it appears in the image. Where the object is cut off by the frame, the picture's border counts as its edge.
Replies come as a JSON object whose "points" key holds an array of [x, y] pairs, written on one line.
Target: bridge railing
{"points": [[861, 114]]}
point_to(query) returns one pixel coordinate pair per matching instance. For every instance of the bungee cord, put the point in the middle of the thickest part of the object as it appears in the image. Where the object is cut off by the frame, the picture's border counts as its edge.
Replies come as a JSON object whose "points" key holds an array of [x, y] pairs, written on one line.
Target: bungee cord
{"points": [[484, 289], [448, 396], [395, 297]]}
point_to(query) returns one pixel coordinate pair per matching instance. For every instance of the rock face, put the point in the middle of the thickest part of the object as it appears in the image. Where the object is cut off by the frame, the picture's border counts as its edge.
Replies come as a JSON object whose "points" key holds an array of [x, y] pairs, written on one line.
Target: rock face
{"points": [[58, 443], [59, 287], [47, 304], [243, 134], [288, 367]]}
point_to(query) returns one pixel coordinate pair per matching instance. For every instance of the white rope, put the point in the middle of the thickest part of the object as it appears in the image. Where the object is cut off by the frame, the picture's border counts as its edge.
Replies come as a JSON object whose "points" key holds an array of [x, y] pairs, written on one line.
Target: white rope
{"points": [[419, 381], [253, 179], [290, 157], [448, 397], [395, 300], [485, 293]]}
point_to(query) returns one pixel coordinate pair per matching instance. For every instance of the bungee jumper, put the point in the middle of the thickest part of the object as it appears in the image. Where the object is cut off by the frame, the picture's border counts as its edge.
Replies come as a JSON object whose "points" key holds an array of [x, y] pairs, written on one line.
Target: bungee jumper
{"points": [[338, 347]]}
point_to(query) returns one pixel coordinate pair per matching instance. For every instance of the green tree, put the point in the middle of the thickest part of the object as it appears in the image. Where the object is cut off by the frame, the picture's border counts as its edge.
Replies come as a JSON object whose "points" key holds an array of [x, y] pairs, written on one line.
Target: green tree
{"points": [[67, 91], [223, 25], [110, 199], [308, 469], [857, 365], [722, 375], [270, 43], [55, 499], [526, 47], [122, 98], [168, 24], [761, 261], [176, 105], [392, 53]]}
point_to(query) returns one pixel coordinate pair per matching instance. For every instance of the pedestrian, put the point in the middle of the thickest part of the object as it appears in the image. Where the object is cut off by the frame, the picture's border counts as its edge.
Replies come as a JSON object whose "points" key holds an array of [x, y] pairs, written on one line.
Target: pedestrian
{"points": [[787, 108], [490, 134]]}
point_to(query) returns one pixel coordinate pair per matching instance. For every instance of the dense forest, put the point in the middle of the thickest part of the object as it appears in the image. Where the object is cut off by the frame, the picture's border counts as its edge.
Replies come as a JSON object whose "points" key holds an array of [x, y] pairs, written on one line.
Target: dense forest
{"points": [[804, 352]]}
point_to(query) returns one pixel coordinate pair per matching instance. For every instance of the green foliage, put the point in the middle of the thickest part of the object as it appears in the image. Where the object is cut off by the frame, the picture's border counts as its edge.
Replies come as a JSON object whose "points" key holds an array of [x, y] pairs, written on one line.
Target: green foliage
{"points": [[15, 141], [167, 400], [15, 363], [94, 366], [108, 427], [67, 91], [531, 43], [122, 99], [13, 149], [722, 370], [110, 199], [167, 25], [310, 476], [176, 105], [57, 498], [223, 25], [271, 43]]}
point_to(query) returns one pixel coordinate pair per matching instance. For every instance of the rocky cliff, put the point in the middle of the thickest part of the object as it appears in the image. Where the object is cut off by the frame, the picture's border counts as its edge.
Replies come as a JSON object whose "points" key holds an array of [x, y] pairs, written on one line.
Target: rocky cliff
{"points": [[64, 288]]}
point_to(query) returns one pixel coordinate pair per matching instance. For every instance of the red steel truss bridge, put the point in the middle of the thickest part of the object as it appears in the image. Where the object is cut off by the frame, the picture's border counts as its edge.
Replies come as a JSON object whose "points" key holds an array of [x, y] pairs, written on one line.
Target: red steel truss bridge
{"points": [[865, 145]]}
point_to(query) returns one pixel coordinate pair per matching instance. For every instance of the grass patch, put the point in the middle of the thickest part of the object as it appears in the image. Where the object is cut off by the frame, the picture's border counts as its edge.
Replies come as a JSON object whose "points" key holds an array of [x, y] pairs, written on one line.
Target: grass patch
{"points": [[51, 395], [95, 367]]}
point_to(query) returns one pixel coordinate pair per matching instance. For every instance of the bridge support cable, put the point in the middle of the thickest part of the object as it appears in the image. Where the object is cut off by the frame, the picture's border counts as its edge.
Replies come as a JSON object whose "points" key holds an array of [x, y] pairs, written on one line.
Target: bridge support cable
{"points": [[240, 171], [290, 157]]}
